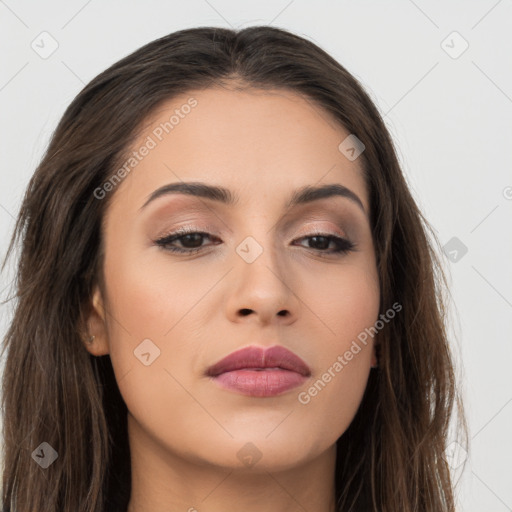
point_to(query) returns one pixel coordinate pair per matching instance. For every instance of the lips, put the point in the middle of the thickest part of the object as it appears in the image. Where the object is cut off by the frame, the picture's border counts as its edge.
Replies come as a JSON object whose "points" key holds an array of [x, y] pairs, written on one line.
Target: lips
{"points": [[260, 359], [257, 372]]}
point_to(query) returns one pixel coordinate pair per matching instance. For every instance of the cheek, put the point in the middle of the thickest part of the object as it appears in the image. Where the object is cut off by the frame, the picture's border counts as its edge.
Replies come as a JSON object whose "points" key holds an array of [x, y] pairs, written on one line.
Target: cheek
{"points": [[345, 306], [331, 399], [151, 295], [344, 301], [150, 343], [143, 309]]}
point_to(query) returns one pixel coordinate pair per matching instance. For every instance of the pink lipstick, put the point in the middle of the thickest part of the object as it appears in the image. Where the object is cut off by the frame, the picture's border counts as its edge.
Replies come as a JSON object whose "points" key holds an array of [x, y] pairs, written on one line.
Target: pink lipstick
{"points": [[255, 371]]}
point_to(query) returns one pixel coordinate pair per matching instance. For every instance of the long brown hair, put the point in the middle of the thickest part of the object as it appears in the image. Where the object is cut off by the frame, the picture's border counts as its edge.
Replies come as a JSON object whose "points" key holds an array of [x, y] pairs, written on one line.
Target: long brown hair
{"points": [[390, 459]]}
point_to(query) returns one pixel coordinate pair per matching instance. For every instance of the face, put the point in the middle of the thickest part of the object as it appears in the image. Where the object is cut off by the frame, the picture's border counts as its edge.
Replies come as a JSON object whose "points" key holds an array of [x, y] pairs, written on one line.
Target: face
{"points": [[258, 272]]}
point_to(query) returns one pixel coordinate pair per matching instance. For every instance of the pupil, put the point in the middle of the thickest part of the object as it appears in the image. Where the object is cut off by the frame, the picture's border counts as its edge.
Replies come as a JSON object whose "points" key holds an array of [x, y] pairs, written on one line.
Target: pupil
{"points": [[197, 239], [322, 245]]}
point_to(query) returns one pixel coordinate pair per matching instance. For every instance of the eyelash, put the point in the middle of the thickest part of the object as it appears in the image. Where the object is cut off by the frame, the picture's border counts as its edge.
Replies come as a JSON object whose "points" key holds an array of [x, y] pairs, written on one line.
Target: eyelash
{"points": [[344, 246]]}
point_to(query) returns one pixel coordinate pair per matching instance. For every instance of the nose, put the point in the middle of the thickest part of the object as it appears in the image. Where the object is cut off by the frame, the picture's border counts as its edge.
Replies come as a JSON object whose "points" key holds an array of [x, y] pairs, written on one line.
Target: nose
{"points": [[263, 288]]}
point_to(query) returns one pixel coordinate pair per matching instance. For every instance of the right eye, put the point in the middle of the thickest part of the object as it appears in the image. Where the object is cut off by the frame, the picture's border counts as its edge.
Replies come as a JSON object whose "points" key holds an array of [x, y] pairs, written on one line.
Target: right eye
{"points": [[190, 239]]}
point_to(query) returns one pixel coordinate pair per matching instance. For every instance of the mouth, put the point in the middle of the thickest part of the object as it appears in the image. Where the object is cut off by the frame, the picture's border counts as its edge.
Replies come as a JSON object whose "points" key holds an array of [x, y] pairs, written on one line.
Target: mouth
{"points": [[255, 371]]}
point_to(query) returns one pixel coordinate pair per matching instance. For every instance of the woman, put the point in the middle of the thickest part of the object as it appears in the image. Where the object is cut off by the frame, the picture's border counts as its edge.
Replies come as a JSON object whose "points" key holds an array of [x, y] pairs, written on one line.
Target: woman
{"points": [[225, 289]]}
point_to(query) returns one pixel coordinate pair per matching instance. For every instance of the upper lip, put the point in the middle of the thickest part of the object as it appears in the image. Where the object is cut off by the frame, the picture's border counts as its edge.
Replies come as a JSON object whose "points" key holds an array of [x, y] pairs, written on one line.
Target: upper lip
{"points": [[256, 357]]}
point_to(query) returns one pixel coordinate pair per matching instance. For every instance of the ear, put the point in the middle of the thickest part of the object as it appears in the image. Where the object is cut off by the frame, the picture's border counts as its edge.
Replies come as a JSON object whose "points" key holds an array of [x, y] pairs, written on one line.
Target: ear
{"points": [[97, 326]]}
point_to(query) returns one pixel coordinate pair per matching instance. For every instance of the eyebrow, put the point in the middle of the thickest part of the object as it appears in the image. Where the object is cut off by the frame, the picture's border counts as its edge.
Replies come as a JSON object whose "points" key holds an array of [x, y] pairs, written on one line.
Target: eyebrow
{"points": [[303, 195]]}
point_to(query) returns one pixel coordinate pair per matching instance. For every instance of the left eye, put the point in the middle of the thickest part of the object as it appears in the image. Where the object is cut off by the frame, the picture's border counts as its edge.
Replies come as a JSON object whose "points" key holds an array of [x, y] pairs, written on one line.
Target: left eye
{"points": [[342, 245], [191, 240]]}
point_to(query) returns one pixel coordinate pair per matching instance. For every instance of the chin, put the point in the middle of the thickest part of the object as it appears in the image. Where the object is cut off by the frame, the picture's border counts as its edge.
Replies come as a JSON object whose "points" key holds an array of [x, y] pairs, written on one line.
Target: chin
{"points": [[255, 452]]}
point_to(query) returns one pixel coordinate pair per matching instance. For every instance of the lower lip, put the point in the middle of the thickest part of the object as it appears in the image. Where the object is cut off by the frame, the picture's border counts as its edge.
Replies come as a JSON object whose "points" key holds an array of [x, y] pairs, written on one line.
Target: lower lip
{"points": [[260, 383]]}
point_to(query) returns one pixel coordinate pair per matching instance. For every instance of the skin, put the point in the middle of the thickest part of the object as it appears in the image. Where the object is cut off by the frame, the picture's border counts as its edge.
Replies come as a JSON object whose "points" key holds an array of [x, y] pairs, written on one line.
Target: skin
{"points": [[186, 432]]}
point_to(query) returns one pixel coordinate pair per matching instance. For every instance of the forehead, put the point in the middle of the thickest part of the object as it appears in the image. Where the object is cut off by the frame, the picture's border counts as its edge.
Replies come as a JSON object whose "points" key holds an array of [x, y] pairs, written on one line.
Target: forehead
{"points": [[259, 143]]}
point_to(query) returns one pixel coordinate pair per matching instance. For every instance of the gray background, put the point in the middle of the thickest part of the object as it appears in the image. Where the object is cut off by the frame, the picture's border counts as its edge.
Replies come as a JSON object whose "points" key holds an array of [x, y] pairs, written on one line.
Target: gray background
{"points": [[450, 114]]}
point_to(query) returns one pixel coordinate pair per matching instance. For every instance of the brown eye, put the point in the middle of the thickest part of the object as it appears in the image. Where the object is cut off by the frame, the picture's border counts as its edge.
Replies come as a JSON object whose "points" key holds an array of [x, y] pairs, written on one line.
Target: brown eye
{"points": [[190, 240], [320, 242]]}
